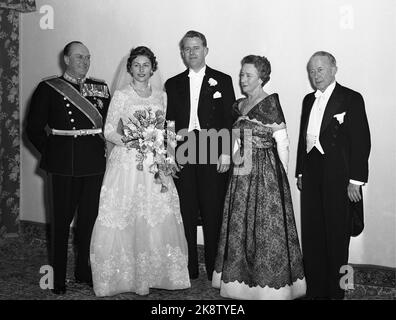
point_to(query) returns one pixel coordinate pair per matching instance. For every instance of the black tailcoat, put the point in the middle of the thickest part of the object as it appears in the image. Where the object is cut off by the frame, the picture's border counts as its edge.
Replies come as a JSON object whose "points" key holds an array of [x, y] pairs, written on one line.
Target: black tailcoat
{"points": [[325, 216]]}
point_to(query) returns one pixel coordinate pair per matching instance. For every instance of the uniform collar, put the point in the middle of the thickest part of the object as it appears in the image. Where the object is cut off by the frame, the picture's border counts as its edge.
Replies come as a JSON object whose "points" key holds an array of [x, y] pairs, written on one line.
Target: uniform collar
{"points": [[72, 79]]}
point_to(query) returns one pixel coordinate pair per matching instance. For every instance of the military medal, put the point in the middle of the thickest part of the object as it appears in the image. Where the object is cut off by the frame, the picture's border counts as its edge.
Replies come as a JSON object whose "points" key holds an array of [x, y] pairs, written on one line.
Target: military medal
{"points": [[95, 90], [100, 103]]}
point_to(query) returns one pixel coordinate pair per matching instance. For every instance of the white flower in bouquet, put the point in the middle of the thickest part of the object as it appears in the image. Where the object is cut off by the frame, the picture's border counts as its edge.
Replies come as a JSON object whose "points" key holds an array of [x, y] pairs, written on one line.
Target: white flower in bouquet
{"points": [[145, 132]]}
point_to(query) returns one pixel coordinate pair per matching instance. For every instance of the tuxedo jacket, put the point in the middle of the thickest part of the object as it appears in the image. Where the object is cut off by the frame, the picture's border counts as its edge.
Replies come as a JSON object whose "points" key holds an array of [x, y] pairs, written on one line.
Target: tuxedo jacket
{"points": [[215, 101], [346, 143], [66, 155]]}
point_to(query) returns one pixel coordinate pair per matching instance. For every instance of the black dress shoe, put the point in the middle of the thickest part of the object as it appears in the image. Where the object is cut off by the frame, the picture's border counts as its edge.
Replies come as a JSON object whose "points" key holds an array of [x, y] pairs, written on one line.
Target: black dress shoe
{"points": [[59, 290], [83, 281]]}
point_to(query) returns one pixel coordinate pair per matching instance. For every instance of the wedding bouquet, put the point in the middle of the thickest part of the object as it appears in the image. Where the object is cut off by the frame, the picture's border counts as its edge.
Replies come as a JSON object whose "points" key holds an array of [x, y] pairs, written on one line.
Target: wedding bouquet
{"points": [[145, 132]]}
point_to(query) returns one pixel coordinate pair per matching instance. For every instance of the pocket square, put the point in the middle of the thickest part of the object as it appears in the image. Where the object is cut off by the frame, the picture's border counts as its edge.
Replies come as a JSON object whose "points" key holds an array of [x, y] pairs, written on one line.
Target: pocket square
{"points": [[216, 95], [340, 117]]}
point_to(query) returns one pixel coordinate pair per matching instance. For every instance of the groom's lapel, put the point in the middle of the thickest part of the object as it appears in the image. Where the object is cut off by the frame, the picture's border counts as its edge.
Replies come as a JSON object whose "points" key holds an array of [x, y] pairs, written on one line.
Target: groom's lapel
{"points": [[185, 93], [205, 88]]}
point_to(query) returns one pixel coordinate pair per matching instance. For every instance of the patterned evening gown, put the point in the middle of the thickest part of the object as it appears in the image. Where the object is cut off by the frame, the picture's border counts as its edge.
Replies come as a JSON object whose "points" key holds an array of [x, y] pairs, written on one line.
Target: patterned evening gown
{"points": [[259, 255], [138, 240]]}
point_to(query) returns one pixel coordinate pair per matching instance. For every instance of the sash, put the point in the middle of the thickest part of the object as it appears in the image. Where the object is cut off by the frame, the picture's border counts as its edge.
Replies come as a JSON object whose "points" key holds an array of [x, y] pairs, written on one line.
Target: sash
{"points": [[82, 103]]}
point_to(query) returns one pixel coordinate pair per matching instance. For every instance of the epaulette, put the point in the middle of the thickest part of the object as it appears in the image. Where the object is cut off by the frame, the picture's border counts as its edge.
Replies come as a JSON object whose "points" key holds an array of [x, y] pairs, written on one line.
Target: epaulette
{"points": [[51, 77], [97, 80]]}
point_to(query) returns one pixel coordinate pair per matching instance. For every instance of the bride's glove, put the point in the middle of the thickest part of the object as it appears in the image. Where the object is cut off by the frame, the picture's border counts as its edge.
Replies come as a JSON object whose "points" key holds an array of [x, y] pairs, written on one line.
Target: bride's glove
{"points": [[282, 146]]}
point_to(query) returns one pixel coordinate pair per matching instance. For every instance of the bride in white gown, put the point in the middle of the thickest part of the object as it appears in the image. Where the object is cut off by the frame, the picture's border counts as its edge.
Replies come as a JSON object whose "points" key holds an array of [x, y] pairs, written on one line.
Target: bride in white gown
{"points": [[138, 240]]}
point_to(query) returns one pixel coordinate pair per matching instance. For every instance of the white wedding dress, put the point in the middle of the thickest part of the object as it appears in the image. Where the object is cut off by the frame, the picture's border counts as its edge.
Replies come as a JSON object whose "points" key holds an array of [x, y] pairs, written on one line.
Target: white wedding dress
{"points": [[138, 240]]}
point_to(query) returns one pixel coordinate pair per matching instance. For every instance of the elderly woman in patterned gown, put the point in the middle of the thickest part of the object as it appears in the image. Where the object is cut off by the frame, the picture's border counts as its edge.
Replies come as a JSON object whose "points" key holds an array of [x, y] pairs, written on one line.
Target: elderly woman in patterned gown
{"points": [[259, 255]]}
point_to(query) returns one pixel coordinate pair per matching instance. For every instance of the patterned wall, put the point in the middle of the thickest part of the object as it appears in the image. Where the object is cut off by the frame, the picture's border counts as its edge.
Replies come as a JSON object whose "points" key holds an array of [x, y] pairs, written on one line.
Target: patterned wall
{"points": [[10, 11]]}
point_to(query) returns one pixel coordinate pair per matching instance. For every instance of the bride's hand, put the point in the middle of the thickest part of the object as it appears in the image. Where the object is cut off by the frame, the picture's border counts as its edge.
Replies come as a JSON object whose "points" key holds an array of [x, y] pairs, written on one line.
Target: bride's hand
{"points": [[130, 143], [175, 169]]}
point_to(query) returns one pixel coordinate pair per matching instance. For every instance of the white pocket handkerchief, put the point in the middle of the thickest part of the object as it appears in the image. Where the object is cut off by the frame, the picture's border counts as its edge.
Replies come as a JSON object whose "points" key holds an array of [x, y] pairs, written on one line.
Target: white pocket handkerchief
{"points": [[340, 117], [216, 95]]}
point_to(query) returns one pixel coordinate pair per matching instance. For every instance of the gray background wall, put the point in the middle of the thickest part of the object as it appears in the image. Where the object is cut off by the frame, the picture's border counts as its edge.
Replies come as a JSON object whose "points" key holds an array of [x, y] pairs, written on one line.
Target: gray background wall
{"points": [[361, 35]]}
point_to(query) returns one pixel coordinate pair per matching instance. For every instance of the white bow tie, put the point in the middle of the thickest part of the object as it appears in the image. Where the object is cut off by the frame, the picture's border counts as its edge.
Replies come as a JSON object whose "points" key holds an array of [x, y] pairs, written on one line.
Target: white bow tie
{"points": [[319, 94], [196, 75]]}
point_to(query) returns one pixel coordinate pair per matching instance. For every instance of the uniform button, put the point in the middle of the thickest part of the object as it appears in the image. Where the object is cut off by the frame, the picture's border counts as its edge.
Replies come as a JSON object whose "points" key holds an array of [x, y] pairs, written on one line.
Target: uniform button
{"points": [[64, 98], [75, 136], [71, 120], [67, 104], [70, 112], [74, 128]]}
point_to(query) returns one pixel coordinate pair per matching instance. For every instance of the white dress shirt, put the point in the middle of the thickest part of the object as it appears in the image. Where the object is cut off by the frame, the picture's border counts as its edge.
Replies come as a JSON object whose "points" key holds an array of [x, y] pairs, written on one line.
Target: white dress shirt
{"points": [[196, 79], [316, 116]]}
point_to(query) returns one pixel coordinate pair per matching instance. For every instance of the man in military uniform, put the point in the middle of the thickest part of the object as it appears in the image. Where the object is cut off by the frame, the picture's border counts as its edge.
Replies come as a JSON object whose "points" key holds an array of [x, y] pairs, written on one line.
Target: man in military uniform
{"points": [[65, 124]]}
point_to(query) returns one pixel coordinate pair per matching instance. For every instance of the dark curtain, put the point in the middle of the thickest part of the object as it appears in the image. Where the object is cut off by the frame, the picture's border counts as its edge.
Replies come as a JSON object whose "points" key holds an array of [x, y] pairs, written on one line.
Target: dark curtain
{"points": [[10, 11]]}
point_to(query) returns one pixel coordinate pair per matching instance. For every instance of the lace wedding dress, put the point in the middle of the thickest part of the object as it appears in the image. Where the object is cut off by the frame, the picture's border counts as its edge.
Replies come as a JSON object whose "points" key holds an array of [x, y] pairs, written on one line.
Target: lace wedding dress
{"points": [[138, 240]]}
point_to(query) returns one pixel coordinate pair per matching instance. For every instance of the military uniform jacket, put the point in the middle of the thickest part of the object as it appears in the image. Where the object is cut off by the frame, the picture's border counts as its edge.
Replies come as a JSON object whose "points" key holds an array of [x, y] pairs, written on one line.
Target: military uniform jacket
{"points": [[67, 155]]}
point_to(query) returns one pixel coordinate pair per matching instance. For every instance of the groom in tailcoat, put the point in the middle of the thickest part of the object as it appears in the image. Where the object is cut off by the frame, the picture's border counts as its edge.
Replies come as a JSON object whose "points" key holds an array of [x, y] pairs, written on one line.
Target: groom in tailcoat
{"points": [[332, 165], [200, 99]]}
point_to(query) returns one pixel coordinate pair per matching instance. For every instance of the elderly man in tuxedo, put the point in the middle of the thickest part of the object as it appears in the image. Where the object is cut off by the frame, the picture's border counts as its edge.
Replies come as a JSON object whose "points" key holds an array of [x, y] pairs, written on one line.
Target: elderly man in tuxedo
{"points": [[332, 165], [200, 99]]}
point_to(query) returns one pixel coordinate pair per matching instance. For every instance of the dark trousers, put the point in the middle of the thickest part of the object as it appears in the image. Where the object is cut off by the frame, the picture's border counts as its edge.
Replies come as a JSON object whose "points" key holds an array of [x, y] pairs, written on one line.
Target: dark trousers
{"points": [[201, 191], [71, 195], [324, 226]]}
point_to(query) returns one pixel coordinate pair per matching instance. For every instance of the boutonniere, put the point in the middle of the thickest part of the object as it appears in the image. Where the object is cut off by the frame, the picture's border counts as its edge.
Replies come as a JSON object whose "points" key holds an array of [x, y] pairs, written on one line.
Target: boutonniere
{"points": [[340, 117], [212, 82], [216, 95]]}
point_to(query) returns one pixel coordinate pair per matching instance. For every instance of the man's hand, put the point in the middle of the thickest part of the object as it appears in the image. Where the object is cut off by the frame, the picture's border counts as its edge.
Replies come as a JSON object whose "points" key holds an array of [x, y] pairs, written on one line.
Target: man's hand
{"points": [[223, 164], [299, 183], [354, 192]]}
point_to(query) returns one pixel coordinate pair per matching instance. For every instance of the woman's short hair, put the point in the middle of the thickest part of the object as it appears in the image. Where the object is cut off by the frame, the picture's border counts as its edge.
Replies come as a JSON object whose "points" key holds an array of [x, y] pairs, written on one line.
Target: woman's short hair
{"points": [[262, 65], [192, 34], [142, 51]]}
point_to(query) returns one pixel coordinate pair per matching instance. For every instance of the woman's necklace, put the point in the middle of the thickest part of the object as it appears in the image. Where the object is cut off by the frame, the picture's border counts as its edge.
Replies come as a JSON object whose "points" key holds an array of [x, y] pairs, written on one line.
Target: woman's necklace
{"points": [[145, 92]]}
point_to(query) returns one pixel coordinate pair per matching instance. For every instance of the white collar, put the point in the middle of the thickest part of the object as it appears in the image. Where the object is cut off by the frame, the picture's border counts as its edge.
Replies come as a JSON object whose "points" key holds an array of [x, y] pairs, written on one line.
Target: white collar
{"points": [[327, 92], [199, 74]]}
